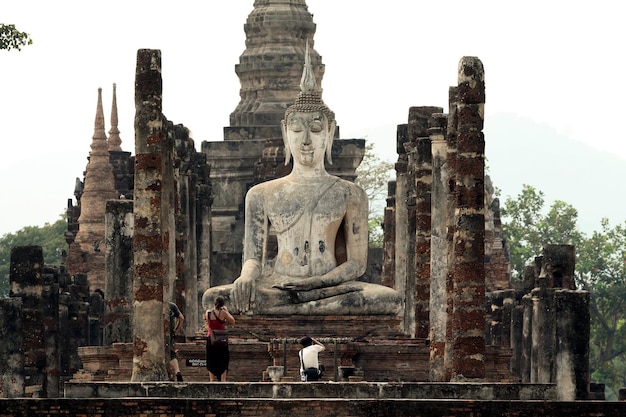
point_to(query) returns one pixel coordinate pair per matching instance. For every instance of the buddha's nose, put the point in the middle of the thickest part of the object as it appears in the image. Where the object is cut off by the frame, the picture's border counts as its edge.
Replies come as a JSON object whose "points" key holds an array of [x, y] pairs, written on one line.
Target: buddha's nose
{"points": [[307, 138]]}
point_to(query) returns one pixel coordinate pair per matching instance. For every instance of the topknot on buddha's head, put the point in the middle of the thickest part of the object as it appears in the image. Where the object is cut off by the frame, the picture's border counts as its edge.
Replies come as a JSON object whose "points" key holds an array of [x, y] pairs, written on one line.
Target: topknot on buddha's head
{"points": [[310, 96], [309, 102]]}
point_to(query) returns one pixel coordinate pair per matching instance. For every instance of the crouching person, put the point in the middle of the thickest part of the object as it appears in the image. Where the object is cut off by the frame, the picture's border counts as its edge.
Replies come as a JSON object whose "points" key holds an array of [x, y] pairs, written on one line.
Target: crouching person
{"points": [[310, 367]]}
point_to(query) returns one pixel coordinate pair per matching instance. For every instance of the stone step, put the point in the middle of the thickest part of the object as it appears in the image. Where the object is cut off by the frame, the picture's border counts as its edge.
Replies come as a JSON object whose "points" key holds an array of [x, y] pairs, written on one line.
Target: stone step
{"points": [[323, 389]]}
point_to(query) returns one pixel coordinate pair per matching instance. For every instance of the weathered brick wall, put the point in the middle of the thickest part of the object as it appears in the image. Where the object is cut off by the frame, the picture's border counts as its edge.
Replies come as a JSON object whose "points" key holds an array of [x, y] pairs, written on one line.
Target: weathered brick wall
{"points": [[163, 407], [48, 324], [27, 283], [11, 352], [497, 268]]}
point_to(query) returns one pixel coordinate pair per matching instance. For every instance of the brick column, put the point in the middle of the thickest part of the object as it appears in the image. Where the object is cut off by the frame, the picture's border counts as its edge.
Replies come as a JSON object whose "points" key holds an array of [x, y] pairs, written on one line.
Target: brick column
{"points": [[118, 259], [401, 233], [438, 248], [193, 297], [78, 316], [558, 264], [389, 237], [27, 283], [152, 234], [573, 328], [203, 234], [450, 224], [517, 321], [527, 340], [11, 350], [50, 313], [420, 168], [186, 186], [542, 370], [468, 316]]}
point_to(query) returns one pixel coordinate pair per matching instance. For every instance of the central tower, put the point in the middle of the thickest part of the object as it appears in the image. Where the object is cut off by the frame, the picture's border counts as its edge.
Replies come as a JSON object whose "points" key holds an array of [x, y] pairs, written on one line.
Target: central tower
{"points": [[270, 68]]}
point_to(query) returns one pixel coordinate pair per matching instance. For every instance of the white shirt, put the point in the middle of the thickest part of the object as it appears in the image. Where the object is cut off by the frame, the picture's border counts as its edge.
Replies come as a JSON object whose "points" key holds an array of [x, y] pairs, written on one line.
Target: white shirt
{"points": [[308, 355]]}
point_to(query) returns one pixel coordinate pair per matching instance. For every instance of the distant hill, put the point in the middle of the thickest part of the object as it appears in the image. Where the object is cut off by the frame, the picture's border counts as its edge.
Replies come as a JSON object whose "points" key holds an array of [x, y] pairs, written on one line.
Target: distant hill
{"points": [[520, 151]]}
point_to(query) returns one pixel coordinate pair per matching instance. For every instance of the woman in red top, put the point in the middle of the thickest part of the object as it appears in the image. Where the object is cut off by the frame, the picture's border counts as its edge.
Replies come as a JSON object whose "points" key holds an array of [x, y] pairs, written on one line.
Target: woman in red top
{"points": [[217, 357]]}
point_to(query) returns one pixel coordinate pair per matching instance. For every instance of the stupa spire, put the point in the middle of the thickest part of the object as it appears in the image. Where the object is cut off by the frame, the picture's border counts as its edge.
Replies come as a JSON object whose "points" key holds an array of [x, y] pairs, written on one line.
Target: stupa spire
{"points": [[99, 186], [269, 70], [115, 141], [99, 135]]}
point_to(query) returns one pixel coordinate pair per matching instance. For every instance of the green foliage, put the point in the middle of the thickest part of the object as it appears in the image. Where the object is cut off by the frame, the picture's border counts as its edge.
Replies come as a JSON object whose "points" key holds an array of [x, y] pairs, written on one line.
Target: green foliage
{"points": [[526, 227], [601, 270], [50, 237], [373, 175], [376, 231], [11, 38]]}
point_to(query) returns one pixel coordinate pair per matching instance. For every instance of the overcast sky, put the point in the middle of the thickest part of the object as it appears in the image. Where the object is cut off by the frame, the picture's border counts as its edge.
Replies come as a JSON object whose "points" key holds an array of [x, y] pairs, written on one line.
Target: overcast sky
{"points": [[556, 62]]}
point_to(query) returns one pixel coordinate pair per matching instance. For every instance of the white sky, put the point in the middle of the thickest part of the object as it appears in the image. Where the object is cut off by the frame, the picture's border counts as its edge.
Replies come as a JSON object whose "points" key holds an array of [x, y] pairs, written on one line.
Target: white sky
{"points": [[556, 62]]}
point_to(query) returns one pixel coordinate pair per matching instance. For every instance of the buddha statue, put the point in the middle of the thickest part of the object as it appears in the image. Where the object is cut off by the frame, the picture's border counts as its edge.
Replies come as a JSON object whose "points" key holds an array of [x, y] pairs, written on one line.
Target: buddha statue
{"points": [[321, 227]]}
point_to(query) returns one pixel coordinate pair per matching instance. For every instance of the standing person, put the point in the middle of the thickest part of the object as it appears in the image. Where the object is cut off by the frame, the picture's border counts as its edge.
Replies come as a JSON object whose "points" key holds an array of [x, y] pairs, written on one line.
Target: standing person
{"points": [[217, 357], [176, 323], [310, 367]]}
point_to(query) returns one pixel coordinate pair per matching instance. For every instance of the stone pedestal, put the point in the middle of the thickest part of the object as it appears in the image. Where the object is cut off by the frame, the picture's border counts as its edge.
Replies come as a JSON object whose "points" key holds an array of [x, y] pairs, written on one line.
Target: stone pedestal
{"points": [[356, 328], [370, 346]]}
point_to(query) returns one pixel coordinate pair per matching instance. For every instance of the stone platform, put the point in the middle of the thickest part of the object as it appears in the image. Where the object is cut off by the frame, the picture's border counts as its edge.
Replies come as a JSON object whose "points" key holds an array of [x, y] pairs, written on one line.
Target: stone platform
{"points": [[250, 360], [305, 407], [324, 389], [389, 361], [372, 346]]}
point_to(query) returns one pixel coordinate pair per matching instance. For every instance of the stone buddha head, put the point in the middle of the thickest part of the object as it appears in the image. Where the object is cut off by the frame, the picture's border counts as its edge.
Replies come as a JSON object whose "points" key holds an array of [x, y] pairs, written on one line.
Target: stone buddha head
{"points": [[309, 125]]}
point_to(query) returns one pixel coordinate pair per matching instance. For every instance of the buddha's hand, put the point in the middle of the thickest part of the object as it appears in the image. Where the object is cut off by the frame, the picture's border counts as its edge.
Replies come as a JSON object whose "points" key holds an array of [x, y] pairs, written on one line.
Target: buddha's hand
{"points": [[288, 283], [242, 293]]}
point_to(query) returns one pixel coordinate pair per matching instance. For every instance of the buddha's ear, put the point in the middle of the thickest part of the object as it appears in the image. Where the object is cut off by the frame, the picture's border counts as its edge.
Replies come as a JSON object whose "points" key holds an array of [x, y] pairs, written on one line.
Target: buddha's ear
{"points": [[283, 127], [332, 127]]}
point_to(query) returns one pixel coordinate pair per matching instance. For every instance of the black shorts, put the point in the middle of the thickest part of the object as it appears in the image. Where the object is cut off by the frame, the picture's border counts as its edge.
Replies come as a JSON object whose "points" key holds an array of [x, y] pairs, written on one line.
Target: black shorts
{"points": [[312, 374], [172, 349]]}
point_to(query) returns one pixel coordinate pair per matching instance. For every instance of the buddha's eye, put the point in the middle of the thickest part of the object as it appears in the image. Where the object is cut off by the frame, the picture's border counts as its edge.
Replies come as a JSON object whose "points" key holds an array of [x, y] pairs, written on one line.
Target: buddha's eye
{"points": [[296, 126], [316, 126]]}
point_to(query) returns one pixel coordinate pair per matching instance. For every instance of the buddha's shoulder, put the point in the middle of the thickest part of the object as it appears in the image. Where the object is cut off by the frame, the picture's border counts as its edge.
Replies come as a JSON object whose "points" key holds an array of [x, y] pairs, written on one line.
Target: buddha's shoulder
{"points": [[349, 186], [267, 187], [288, 184]]}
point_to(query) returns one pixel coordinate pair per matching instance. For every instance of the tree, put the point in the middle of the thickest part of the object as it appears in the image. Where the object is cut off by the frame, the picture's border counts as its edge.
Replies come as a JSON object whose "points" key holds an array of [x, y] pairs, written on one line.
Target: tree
{"points": [[11, 38], [526, 228], [601, 270], [51, 237], [373, 175]]}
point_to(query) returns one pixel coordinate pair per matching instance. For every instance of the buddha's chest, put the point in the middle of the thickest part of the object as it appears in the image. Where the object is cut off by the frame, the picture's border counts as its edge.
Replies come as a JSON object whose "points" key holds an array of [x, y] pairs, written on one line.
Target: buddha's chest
{"points": [[301, 213]]}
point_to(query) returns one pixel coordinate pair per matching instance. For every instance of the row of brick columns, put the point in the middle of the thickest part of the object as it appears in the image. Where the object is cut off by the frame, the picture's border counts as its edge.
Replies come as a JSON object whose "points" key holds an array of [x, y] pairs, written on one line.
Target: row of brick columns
{"points": [[435, 228]]}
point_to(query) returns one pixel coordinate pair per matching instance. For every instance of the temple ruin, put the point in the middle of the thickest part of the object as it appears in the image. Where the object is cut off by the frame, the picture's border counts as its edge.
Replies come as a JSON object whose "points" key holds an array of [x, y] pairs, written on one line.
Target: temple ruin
{"points": [[166, 223]]}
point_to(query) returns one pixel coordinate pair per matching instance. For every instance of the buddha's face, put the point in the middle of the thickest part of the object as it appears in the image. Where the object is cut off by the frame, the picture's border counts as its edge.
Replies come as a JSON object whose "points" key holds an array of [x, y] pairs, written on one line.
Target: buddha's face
{"points": [[307, 136]]}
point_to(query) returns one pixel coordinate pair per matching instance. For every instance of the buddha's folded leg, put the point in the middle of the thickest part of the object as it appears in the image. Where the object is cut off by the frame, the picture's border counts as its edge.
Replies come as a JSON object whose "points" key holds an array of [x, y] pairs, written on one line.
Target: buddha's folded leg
{"points": [[322, 293], [354, 298]]}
